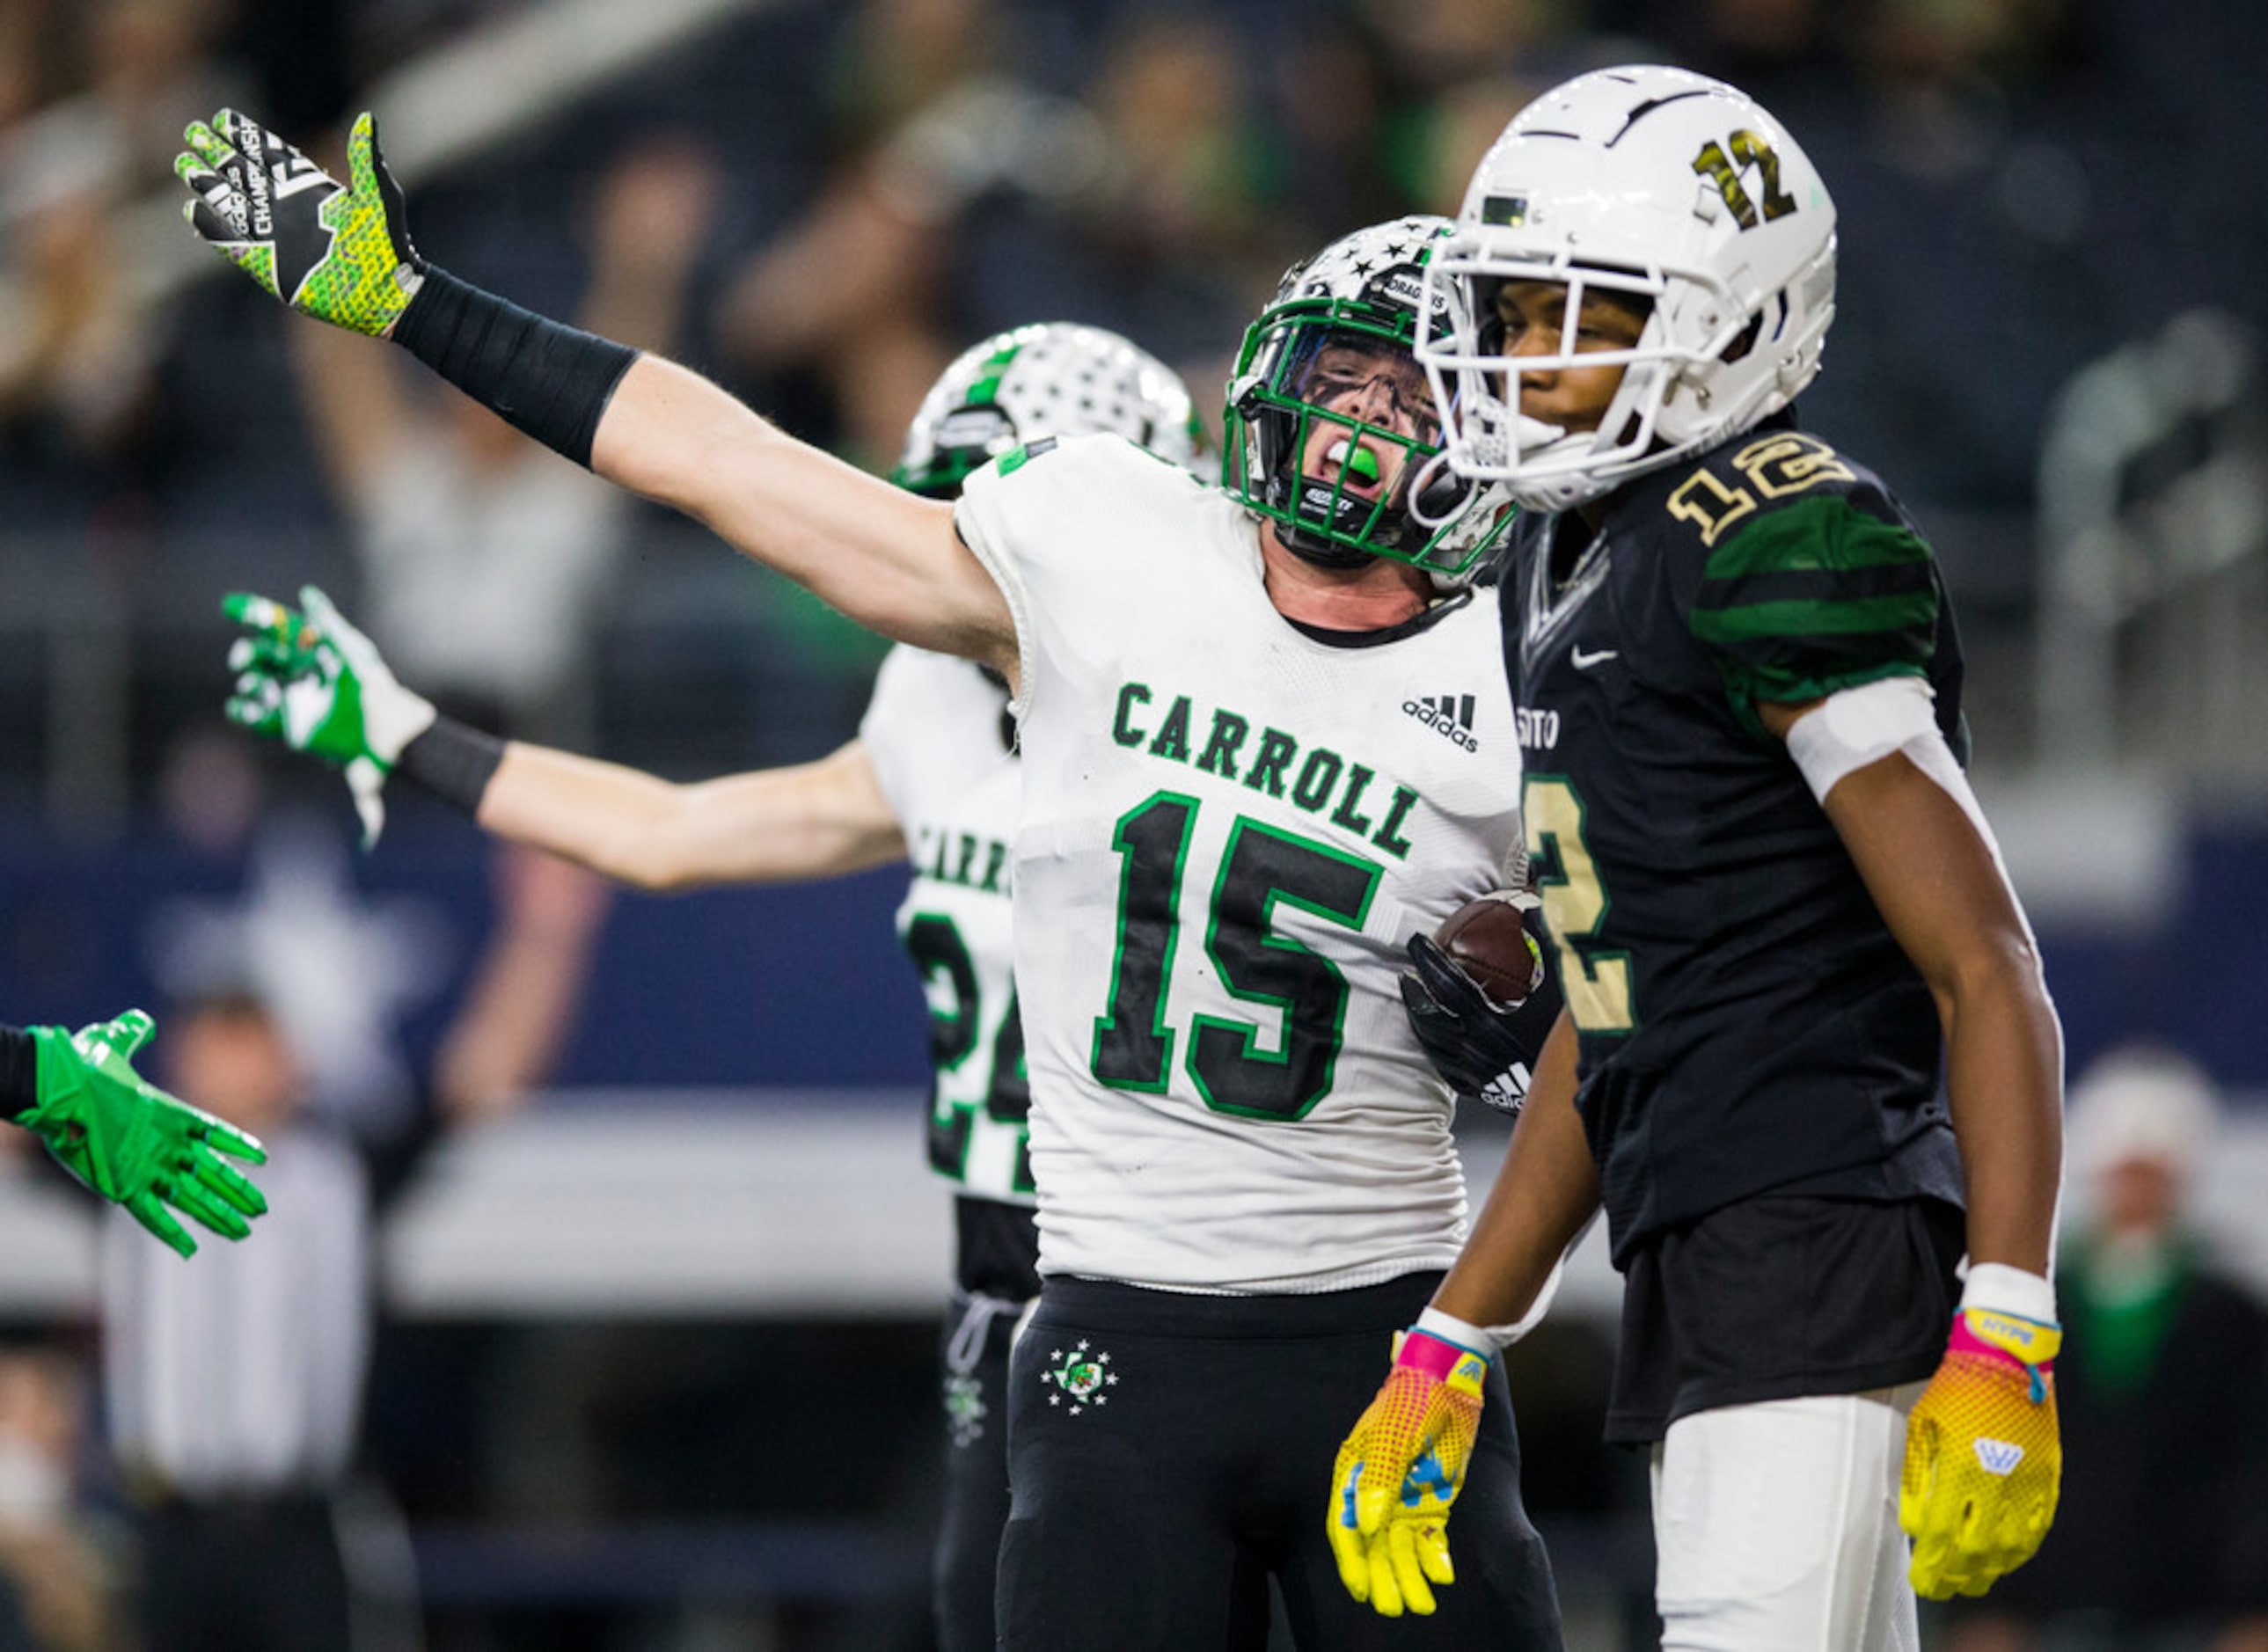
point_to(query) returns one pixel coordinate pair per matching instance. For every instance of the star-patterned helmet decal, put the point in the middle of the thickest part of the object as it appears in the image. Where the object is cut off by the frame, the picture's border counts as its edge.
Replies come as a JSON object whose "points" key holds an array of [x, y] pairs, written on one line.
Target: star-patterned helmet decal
{"points": [[1054, 379], [1379, 265]]}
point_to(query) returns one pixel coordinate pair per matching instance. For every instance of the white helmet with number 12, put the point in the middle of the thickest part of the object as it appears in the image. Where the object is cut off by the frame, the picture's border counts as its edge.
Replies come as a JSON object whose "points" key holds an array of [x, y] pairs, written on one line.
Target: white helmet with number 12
{"points": [[1682, 197]]}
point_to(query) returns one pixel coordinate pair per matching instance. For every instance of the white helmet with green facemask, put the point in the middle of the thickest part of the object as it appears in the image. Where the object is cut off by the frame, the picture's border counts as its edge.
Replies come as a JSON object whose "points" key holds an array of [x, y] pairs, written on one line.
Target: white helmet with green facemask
{"points": [[1052, 378], [1332, 429]]}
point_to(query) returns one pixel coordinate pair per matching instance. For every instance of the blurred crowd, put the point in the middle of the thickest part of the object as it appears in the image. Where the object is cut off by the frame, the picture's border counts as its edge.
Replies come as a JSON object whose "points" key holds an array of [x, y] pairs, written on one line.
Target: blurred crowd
{"points": [[819, 204]]}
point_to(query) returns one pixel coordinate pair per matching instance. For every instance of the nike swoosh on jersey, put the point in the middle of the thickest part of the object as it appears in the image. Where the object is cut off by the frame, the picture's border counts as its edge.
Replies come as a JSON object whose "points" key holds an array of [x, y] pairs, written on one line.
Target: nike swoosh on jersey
{"points": [[1583, 661]]}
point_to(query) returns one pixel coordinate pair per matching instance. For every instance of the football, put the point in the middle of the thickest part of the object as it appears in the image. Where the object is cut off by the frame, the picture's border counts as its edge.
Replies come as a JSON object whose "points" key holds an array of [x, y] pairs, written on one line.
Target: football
{"points": [[1487, 939]]}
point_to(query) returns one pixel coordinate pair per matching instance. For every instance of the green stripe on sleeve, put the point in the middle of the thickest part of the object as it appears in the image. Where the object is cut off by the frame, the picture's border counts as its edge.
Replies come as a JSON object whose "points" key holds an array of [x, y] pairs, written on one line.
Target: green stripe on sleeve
{"points": [[1852, 617], [1825, 533], [1746, 689]]}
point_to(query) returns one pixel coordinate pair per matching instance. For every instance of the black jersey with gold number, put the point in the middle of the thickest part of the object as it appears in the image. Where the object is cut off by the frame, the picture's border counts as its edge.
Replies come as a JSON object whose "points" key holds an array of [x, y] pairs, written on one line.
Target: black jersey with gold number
{"points": [[1747, 1021]]}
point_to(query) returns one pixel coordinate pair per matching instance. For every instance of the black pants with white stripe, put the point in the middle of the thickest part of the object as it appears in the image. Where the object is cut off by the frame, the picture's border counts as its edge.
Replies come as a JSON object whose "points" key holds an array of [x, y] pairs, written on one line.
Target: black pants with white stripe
{"points": [[975, 1374], [1169, 1454]]}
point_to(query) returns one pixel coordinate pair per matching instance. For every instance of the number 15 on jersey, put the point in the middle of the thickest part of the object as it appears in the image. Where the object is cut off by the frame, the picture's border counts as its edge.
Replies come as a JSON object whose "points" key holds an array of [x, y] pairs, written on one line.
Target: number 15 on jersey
{"points": [[1229, 1061]]}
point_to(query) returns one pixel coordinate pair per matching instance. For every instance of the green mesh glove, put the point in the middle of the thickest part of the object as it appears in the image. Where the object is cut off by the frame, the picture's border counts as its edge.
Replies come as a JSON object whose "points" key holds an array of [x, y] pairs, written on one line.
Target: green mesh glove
{"points": [[132, 1142], [342, 255], [313, 681]]}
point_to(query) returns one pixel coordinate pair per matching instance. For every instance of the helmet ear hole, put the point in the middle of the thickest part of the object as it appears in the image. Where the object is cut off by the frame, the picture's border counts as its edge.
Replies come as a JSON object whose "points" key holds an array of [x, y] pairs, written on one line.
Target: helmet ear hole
{"points": [[1746, 340]]}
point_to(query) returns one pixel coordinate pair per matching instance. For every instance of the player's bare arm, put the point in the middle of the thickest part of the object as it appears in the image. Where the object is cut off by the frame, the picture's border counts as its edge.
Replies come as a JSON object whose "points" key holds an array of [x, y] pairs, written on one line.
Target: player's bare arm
{"points": [[1939, 887], [819, 820], [1545, 1190], [343, 254], [1398, 1473], [1983, 1462], [310, 679], [890, 561]]}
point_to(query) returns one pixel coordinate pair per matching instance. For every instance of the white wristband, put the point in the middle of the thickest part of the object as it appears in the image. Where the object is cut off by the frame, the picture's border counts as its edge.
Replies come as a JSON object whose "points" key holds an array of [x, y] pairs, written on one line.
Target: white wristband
{"points": [[1449, 1328], [1998, 1288]]}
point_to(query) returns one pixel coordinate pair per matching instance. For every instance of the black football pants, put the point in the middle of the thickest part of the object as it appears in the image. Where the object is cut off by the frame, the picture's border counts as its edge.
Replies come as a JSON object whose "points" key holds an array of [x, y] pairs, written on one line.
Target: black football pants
{"points": [[1170, 1453]]}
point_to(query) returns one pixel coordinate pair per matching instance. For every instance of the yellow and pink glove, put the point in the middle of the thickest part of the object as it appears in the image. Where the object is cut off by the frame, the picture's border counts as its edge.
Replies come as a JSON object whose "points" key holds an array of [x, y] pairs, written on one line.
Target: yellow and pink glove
{"points": [[1401, 1469], [1983, 1460]]}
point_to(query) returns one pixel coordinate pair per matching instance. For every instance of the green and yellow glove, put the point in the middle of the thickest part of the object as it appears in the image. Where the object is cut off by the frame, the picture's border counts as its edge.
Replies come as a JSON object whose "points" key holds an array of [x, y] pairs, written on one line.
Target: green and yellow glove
{"points": [[341, 254], [313, 681], [1400, 1471], [132, 1142], [1984, 1462]]}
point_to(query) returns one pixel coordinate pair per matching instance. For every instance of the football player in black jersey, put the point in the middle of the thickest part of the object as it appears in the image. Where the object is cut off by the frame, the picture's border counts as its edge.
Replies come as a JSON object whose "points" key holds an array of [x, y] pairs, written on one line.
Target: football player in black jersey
{"points": [[1780, 916]]}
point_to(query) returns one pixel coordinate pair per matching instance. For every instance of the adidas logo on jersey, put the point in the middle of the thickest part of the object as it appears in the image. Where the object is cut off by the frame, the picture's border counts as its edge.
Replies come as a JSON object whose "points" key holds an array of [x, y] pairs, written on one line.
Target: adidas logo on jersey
{"points": [[1448, 716]]}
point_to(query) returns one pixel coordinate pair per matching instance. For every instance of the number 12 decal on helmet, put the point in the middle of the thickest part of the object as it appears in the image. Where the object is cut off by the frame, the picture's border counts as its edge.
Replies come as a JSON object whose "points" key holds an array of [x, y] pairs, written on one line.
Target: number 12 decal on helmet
{"points": [[1677, 200], [1748, 149]]}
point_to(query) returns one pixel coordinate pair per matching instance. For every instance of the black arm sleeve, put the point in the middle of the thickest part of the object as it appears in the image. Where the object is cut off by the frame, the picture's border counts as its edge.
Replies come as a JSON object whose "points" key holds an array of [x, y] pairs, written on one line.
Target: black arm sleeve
{"points": [[454, 762], [550, 380], [19, 1072]]}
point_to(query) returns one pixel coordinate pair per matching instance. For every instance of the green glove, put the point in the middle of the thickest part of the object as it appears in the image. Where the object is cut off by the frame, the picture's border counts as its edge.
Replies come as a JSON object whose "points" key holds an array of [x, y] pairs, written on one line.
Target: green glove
{"points": [[132, 1142], [342, 255], [315, 683]]}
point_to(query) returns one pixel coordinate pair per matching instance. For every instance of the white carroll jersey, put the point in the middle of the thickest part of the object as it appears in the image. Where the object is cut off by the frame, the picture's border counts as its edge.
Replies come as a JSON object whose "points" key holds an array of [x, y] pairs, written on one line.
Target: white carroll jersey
{"points": [[934, 732], [1231, 829]]}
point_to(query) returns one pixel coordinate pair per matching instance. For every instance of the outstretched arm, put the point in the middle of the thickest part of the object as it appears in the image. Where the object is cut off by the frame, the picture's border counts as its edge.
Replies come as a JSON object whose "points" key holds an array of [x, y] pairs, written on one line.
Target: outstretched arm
{"points": [[310, 680], [652, 209], [343, 255], [820, 820], [888, 559]]}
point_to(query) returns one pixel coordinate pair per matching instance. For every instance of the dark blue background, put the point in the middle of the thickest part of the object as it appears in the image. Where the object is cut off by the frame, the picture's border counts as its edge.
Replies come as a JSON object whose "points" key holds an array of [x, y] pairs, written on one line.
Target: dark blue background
{"points": [[791, 985], [805, 985]]}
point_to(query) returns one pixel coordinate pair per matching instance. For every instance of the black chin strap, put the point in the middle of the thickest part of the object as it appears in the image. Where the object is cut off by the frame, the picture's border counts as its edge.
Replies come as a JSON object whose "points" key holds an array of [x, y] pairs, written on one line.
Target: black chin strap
{"points": [[1314, 548], [1438, 500]]}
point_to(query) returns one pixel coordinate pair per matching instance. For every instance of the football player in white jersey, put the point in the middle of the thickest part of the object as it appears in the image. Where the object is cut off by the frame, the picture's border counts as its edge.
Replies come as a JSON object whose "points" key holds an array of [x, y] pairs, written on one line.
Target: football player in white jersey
{"points": [[932, 779], [1239, 804]]}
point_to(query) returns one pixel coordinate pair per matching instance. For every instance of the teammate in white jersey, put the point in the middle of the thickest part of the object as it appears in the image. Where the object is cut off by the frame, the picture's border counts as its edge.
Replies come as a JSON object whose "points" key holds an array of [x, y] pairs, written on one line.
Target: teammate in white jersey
{"points": [[931, 779], [1237, 811]]}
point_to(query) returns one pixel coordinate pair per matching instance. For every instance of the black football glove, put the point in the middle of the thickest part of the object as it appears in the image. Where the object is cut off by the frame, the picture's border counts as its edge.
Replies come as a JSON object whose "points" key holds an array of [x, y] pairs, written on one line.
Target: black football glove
{"points": [[1485, 1052]]}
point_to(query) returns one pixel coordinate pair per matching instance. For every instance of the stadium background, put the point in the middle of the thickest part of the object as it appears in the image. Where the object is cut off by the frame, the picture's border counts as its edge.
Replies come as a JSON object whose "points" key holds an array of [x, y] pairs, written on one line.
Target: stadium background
{"points": [[658, 1364]]}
